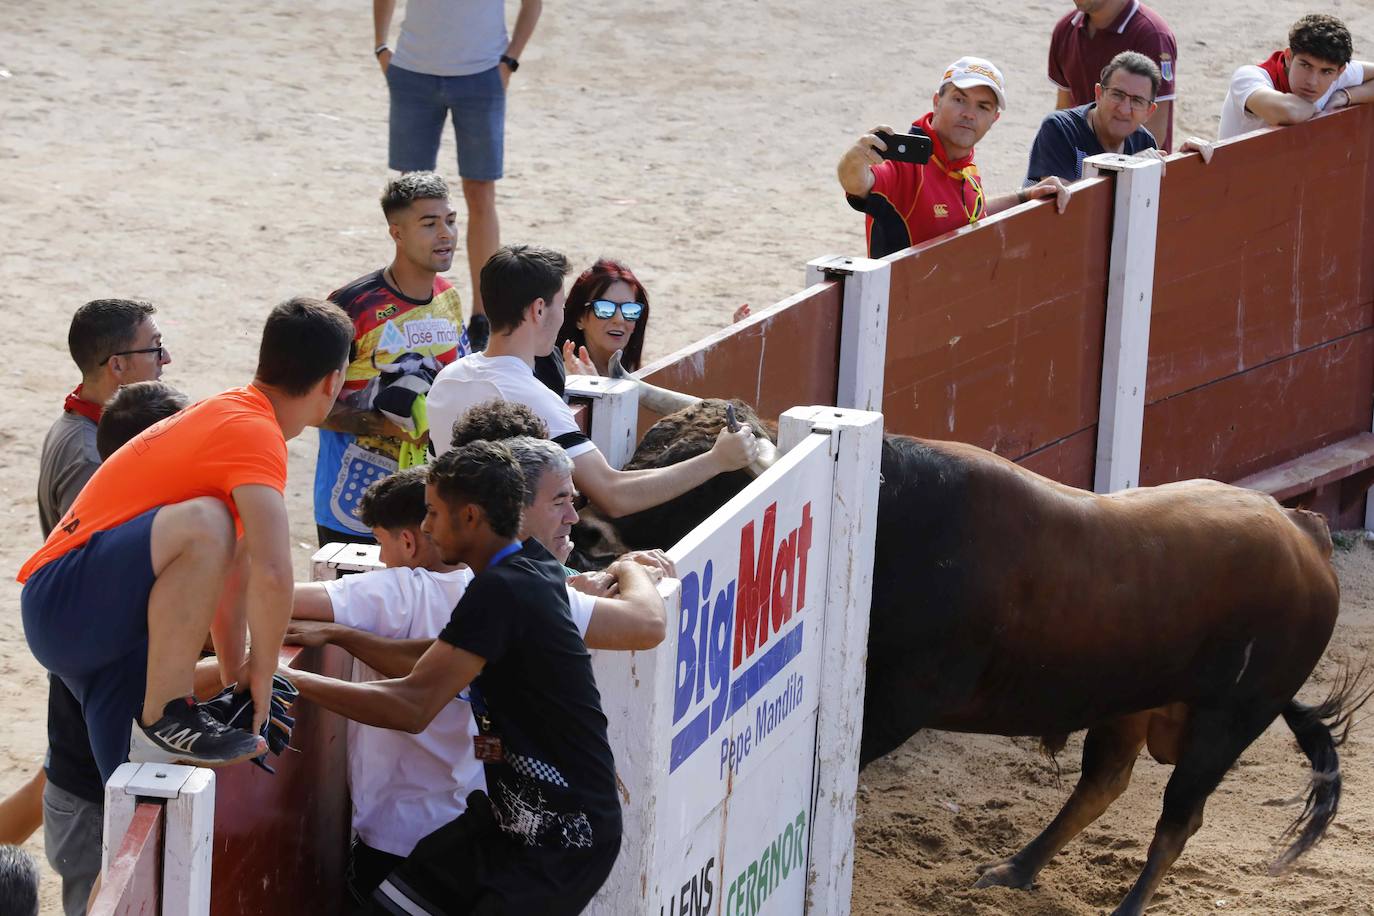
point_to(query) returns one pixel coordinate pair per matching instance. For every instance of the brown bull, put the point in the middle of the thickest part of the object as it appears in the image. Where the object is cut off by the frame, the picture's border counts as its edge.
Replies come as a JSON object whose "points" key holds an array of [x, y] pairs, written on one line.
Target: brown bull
{"points": [[1182, 618]]}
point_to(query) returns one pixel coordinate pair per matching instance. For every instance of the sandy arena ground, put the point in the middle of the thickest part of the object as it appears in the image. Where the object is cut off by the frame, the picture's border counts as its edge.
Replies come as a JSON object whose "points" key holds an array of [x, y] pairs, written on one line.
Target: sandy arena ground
{"points": [[216, 158]]}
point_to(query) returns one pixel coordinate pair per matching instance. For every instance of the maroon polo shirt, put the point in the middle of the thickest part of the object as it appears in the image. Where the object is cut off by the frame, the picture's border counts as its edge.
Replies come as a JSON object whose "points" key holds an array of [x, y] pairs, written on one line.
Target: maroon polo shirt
{"points": [[1076, 61]]}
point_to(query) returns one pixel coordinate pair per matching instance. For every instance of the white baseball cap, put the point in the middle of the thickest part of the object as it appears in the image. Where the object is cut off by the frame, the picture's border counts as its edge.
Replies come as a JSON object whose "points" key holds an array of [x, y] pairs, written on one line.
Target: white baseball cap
{"points": [[967, 72]]}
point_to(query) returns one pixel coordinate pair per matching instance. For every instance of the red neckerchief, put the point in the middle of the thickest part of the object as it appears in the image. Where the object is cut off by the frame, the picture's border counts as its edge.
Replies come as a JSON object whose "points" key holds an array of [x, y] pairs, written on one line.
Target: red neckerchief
{"points": [[75, 403], [1276, 65], [961, 169]]}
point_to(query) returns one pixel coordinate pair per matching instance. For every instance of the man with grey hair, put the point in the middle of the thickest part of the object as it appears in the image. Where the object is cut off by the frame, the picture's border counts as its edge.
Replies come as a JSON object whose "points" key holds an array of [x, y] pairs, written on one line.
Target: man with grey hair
{"points": [[386, 619], [1113, 123]]}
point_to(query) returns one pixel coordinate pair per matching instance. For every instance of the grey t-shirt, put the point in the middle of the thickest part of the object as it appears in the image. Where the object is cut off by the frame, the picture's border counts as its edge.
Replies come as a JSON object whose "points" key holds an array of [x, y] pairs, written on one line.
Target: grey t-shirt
{"points": [[69, 459], [451, 37]]}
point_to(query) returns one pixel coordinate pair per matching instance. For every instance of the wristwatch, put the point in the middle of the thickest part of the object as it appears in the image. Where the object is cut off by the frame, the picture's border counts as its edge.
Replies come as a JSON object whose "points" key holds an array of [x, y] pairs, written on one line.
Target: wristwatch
{"points": [[510, 62]]}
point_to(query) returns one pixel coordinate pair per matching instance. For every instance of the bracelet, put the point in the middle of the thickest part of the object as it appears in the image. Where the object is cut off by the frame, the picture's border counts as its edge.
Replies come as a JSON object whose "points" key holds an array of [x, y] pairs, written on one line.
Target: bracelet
{"points": [[1346, 92], [377, 52], [1022, 196]]}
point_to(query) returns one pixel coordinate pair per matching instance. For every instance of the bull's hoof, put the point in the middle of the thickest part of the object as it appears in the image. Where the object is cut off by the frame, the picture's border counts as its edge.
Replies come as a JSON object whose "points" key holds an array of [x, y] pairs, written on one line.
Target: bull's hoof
{"points": [[1003, 874]]}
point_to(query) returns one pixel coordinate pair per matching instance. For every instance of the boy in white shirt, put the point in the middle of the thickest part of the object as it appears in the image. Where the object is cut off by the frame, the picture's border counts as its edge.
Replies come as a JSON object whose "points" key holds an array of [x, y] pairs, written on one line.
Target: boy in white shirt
{"points": [[1313, 74]]}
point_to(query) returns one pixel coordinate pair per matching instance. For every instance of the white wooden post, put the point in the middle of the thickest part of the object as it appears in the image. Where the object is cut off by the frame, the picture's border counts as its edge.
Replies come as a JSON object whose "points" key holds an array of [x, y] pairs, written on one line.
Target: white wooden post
{"points": [[863, 326], [188, 844], [638, 728], [858, 453], [1130, 293], [188, 828], [615, 414]]}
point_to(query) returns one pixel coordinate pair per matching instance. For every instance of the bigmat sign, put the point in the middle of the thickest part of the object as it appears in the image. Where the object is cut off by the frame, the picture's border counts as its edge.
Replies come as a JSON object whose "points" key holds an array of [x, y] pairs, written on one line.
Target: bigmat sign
{"points": [[715, 731]]}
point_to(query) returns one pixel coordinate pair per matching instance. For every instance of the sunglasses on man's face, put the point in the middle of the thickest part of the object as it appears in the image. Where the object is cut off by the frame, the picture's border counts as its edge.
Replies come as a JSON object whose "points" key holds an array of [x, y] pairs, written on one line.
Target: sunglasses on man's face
{"points": [[605, 308]]}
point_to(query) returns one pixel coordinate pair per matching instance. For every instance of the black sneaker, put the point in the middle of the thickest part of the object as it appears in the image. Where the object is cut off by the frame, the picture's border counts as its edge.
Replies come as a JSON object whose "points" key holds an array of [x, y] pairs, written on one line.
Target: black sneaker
{"points": [[186, 733]]}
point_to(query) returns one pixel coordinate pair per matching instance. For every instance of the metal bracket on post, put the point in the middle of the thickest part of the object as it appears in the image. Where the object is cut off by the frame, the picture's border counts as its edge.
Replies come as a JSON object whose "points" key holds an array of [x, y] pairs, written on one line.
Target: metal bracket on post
{"points": [[1130, 296], [856, 443], [615, 414], [863, 326]]}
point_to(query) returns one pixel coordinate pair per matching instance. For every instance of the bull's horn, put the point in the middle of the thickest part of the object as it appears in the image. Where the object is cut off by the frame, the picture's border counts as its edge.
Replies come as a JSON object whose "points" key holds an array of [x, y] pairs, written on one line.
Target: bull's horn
{"points": [[651, 397]]}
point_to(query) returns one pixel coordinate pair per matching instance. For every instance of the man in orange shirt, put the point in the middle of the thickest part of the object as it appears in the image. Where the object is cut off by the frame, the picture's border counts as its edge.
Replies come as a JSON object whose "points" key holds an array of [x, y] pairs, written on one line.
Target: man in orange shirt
{"points": [[147, 560]]}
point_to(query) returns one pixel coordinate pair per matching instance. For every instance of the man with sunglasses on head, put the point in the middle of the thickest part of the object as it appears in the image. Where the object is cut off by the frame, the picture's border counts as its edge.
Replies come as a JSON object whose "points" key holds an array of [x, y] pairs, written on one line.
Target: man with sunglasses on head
{"points": [[1113, 123], [1313, 74], [114, 342], [907, 203]]}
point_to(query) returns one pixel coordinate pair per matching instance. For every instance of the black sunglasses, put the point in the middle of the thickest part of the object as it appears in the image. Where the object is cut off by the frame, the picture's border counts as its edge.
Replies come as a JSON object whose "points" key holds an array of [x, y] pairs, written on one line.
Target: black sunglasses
{"points": [[157, 350], [605, 308]]}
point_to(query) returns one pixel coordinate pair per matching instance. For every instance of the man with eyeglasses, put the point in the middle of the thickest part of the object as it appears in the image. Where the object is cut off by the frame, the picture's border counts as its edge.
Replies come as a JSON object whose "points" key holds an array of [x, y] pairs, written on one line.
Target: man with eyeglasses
{"points": [[908, 203], [114, 342], [1313, 74], [1113, 123]]}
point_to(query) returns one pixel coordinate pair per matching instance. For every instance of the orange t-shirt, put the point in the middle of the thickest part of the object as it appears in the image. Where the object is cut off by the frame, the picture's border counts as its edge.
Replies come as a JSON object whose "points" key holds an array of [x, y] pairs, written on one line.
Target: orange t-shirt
{"points": [[226, 441]]}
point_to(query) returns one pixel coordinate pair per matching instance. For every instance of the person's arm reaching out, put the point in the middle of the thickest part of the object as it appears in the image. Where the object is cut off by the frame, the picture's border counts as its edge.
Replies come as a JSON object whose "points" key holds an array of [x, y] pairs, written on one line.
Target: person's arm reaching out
{"points": [[406, 704], [635, 618], [269, 586], [855, 170], [389, 657], [619, 493]]}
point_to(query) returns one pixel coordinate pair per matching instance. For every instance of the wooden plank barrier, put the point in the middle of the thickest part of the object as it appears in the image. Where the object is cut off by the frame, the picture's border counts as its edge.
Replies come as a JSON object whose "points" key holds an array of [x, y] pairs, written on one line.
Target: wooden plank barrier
{"points": [[1262, 340], [995, 334], [132, 883], [281, 841]]}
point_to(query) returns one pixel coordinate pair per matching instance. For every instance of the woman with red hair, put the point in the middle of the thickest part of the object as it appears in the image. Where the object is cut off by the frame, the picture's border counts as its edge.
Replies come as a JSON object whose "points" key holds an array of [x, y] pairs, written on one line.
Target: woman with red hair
{"points": [[607, 310]]}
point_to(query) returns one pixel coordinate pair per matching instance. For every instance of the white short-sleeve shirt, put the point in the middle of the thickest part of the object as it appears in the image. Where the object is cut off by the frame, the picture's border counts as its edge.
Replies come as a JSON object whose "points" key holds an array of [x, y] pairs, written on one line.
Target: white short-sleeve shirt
{"points": [[469, 381], [451, 37], [1236, 119], [406, 786]]}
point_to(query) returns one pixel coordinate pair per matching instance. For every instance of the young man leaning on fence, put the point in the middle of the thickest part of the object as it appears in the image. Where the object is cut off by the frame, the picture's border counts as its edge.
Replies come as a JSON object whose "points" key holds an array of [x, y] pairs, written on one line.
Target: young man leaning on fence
{"points": [[1313, 74], [545, 835], [907, 203]]}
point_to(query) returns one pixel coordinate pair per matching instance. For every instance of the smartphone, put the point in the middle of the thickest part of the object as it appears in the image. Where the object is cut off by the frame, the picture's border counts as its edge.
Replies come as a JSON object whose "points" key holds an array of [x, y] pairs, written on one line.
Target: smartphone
{"points": [[913, 148]]}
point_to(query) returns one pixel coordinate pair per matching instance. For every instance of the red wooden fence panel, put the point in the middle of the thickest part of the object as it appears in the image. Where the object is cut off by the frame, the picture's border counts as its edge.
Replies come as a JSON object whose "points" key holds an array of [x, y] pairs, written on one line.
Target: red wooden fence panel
{"points": [[281, 842], [1260, 343], [133, 884], [994, 334]]}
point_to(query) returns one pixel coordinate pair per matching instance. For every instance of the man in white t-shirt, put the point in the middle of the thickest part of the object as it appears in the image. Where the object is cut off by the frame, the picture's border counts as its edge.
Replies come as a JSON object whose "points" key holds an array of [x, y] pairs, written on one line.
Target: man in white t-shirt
{"points": [[522, 287], [1313, 74], [405, 786]]}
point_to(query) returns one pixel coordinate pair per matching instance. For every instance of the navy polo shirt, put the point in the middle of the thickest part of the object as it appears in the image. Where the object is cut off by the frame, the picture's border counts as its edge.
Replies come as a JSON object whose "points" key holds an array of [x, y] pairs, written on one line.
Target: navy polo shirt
{"points": [[1066, 138]]}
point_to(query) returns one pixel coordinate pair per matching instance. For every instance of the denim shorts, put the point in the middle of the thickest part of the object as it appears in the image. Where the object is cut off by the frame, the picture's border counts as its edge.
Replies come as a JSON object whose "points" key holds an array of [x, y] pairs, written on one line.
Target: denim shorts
{"points": [[419, 105], [86, 620]]}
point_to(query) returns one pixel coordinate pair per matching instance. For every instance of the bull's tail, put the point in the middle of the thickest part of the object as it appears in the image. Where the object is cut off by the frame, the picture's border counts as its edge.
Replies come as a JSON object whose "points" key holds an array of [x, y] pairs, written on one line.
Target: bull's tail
{"points": [[1320, 730]]}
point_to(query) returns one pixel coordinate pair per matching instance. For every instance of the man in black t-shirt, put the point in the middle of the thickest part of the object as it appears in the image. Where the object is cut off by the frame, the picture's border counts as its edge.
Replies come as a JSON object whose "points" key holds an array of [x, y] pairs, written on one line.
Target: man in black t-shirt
{"points": [[545, 836]]}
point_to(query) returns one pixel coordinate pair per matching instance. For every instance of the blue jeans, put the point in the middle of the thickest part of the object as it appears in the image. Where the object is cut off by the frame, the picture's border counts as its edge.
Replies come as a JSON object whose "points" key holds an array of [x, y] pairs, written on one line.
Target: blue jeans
{"points": [[419, 105]]}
